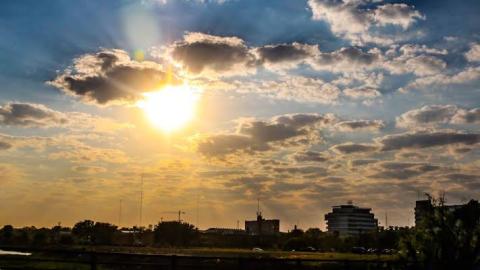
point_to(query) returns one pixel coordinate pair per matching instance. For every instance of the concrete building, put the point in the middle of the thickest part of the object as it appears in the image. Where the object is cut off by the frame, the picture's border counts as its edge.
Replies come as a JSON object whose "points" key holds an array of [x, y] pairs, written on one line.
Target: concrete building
{"points": [[262, 226], [347, 220]]}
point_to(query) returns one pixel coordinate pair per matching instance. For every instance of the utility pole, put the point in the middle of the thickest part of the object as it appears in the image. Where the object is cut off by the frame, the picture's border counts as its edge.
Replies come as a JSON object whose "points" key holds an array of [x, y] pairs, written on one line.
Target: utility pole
{"points": [[180, 216], [120, 214], [258, 207], [179, 213], [141, 201], [386, 220], [198, 225]]}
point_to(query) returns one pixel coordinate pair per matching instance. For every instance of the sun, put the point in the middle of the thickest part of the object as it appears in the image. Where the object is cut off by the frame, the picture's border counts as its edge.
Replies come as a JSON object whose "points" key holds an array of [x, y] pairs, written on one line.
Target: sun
{"points": [[171, 107]]}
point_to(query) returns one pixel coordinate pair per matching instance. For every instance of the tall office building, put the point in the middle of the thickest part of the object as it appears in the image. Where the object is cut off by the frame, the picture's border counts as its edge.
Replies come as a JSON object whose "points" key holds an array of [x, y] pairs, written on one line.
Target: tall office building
{"points": [[348, 219]]}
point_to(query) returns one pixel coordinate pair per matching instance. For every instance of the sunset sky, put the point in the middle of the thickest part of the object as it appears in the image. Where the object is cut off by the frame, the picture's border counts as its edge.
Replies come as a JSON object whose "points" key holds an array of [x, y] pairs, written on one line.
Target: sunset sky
{"points": [[303, 104]]}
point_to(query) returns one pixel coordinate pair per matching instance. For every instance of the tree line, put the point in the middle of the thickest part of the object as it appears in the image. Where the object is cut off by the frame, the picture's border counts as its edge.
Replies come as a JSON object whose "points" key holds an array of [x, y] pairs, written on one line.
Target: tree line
{"points": [[446, 238]]}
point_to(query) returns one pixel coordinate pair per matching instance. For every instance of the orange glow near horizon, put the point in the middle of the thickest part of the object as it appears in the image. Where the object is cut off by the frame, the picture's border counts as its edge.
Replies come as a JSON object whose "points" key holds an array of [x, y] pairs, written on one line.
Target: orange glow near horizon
{"points": [[171, 108]]}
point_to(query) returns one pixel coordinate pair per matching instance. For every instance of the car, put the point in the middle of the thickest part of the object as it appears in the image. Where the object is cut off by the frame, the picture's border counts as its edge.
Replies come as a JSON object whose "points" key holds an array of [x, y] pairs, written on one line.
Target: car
{"points": [[257, 249], [359, 250]]}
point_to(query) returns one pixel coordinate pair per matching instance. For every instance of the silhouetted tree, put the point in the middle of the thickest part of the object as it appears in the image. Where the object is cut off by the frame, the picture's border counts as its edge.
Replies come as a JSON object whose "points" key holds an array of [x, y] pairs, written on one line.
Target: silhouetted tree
{"points": [[6, 235], [175, 233], [40, 237], [103, 233], [97, 233], [83, 230], [447, 238]]}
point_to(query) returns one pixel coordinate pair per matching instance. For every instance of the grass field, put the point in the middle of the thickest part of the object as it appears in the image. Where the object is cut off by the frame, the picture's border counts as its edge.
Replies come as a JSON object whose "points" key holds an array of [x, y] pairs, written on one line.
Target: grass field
{"points": [[53, 260], [232, 252]]}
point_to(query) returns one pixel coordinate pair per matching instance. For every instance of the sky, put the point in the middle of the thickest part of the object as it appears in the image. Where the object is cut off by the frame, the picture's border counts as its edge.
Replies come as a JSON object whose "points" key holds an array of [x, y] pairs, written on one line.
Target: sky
{"points": [[217, 103]]}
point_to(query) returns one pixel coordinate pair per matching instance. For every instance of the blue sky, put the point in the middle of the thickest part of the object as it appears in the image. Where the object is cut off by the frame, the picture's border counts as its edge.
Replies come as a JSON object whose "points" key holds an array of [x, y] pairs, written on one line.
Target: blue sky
{"points": [[357, 95]]}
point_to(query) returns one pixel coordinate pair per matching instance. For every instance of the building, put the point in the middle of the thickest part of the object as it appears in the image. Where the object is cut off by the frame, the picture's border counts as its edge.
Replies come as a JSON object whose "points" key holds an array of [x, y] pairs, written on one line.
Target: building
{"points": [[262, 226], [347, 220], [224, 231], [425, 207]]}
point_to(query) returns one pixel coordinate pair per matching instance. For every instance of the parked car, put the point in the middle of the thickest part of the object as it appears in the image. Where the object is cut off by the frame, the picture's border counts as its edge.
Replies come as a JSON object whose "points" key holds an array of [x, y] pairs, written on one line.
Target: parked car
{"points": [[359, 250]]}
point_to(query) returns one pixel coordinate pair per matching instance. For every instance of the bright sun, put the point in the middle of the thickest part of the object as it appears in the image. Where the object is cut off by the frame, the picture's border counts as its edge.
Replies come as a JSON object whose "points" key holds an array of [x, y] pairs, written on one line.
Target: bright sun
{"points": [[172, 107]]}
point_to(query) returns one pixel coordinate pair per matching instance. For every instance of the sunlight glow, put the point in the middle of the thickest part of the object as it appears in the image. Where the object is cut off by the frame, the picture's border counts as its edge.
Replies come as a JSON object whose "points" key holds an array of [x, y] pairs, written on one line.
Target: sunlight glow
{"points": [[172, 107]]}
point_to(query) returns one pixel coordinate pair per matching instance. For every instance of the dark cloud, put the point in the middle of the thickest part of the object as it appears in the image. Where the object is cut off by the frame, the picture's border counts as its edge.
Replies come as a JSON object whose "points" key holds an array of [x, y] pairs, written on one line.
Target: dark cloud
{"points": [[257, 136], [372, 125], [30, 115], [421, 140], [5, 145], [285, 53], [223, 144], [200, 52], [110, 76], [300, 120], [463, 177], [263, 132], [362, 162], [470, 181], [353, 148], [309, 156], [347, 58], [402, 170]]}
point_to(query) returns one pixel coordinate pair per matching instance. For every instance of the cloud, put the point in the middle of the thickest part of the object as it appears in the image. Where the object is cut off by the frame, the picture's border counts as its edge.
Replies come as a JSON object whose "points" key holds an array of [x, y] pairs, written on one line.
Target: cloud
{"points": [[293, 88], [420, 140], [353, 148], [10, 173], [28, 142], [417, 59], [401, 170], [396, 14], [30, 115], [309, 156], [473, 55], [354, 21], [438, 114], [202, 53], [308, 171], [83, 153], [284, 55], [464, 116], [5, 146], [468, 180], [254, 136], [347, 59], [89, 169], [466, 76], [362, 93], [427, 115], [111, 77], [354, 125], [362, 162]]}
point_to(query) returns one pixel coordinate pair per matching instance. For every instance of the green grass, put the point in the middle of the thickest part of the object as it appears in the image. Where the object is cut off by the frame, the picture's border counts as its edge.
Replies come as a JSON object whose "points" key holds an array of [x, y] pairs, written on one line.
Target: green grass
{"points": [[236, 252]]}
